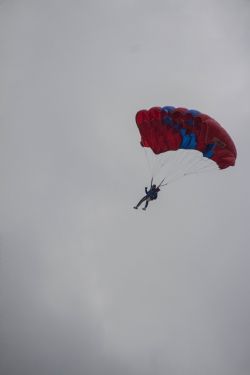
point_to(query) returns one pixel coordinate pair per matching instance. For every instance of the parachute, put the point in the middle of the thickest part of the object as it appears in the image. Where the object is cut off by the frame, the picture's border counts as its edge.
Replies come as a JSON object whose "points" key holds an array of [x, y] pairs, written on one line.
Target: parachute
{"points": [[184, 140]]}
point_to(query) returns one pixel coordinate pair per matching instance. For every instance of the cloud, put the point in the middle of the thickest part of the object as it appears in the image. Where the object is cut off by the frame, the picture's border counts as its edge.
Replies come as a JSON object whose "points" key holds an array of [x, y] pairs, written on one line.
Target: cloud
{"points": [[88, 286]]}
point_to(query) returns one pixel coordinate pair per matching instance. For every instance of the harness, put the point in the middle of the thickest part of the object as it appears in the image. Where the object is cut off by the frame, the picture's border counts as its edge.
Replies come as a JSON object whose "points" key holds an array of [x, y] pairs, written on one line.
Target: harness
{"points": [[153, 193]]}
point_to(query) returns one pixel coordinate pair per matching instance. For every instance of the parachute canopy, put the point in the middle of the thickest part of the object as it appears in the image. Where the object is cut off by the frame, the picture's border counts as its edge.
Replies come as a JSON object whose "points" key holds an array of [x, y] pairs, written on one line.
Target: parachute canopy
{"points": [[170, 129]]}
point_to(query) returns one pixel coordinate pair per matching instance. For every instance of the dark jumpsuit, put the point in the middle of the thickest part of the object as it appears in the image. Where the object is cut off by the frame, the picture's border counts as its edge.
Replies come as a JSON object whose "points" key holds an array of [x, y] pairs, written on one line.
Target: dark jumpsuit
{"points": [[150, 196]]}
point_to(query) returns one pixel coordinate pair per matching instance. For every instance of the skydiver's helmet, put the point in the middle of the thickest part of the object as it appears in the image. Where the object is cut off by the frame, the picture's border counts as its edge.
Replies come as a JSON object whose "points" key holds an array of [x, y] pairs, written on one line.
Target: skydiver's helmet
{"points": [[154, 186]]}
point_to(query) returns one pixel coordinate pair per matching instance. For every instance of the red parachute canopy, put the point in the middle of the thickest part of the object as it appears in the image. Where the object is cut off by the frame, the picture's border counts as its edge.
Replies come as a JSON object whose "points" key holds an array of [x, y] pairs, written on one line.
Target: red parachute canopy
{"points": [[170, 128]]}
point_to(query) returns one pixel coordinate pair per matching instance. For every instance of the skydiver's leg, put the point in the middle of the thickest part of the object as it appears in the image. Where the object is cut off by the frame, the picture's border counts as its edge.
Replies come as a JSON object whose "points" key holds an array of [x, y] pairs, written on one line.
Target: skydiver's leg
{"points": [[146, 204], [140, 202]]}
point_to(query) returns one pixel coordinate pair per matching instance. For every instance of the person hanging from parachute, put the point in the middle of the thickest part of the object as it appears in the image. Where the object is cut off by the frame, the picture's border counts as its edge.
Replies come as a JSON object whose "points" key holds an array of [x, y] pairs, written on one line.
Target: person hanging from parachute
{"points": [[151, 194], [200, 141]]}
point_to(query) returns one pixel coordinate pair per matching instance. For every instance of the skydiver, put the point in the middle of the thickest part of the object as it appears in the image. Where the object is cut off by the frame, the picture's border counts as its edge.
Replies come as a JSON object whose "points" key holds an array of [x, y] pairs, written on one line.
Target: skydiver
{"points": [[151, 195]]}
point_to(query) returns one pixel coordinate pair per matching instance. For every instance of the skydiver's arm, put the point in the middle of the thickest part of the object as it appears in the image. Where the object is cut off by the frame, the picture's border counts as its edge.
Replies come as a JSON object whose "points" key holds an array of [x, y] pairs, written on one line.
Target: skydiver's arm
{"points": [[146, 190]]}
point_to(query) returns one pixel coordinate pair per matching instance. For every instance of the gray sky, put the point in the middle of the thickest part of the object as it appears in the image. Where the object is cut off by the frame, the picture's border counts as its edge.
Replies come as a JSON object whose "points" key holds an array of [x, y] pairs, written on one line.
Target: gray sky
{"points": [[87, 284]]}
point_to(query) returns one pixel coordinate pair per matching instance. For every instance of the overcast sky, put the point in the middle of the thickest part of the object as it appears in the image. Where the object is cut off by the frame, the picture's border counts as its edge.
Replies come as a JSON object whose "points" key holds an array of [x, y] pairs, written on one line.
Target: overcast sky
{"points": [[89, 286]]}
